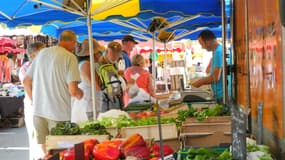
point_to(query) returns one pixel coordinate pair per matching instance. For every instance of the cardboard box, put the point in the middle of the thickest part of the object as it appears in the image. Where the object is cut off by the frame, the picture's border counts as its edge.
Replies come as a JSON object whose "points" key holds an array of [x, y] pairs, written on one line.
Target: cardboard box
{"points": [[169, 131], [67, 141]]}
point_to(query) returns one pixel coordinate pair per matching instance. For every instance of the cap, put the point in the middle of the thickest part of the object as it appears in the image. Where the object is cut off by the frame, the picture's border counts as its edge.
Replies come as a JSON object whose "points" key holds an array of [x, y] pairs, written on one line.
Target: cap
{"points": [[85, 48], [115, 47], [129, 38]]}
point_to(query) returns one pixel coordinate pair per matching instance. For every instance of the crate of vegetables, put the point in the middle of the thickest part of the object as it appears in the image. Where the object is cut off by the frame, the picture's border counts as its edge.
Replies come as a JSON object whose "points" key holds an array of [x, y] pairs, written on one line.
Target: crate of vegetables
{"points": [[204, 128]]}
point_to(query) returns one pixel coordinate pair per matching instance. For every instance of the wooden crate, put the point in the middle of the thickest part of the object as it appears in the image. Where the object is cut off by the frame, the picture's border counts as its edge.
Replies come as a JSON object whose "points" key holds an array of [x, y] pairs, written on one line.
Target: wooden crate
{"points": [[67, 141], [210, 132], [174, 143], [215, 119], [169, 131], [206, 127], [205, 139]]}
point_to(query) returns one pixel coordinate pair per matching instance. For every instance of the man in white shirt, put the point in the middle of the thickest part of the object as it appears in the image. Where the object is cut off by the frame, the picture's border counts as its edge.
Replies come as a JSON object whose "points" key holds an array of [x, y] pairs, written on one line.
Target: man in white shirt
{"points": [[50, 82]]}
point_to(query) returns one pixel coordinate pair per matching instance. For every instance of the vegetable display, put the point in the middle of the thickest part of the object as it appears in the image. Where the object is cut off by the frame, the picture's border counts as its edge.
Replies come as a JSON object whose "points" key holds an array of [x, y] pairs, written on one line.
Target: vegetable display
{"points": [[201, 114], [205, 154], [258, 151], [94, 128], [65, 128], [123, 121], [88, 128]]}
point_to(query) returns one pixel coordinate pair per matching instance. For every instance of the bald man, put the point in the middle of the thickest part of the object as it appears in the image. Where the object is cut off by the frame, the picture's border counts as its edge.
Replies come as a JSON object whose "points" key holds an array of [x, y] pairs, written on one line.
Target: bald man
{"points": [[50, 82]]}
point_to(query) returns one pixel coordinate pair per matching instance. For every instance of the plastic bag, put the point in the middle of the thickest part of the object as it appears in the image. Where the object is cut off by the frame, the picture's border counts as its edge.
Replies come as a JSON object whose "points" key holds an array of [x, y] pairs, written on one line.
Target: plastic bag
{"points": [[78, 111]]}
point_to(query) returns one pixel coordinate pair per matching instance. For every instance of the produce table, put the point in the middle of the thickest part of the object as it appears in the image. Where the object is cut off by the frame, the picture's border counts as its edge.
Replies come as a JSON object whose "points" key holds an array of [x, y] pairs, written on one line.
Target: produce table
{"points": [[10, 106]]}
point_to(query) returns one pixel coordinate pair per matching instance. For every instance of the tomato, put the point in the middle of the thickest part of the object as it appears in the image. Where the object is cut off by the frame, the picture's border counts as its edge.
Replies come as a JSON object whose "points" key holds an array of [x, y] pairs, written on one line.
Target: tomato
{"points": [[133, 115]]}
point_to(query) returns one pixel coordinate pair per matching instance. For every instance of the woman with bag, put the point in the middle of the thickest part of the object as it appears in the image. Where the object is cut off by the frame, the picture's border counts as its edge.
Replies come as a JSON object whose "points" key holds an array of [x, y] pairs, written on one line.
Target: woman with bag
{"points": [[82, 110]]}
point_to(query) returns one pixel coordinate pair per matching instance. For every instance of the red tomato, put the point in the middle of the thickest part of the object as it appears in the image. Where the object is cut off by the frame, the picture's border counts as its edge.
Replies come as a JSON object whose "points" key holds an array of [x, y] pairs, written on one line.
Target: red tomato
{"points": [[133, 115]]}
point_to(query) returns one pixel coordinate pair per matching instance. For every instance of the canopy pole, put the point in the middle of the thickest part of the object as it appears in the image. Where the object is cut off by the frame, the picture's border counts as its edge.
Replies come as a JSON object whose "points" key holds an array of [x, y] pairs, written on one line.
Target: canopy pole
{"points": [[92, 65], [224, 35], [165, 69], [153, 62]]}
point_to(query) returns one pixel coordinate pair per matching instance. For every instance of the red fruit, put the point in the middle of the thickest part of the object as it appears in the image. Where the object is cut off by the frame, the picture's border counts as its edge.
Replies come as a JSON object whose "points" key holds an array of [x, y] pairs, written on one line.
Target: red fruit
{"points": [[89, 144], [106, 151], [167, 150], [68, 155], [134, 140], [133, 115], [141, 152], [152, 114], [139, 115], [163, 112], [135, 146], [155, 150]]}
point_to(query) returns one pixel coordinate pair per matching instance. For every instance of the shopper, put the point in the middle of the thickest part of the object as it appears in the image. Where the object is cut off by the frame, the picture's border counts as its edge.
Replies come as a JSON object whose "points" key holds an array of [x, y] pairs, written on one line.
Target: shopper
{"points": [[128, 44], [85, 74], [208, 41], [109, 78], [32, 52], [50, 83], [139, 82]]}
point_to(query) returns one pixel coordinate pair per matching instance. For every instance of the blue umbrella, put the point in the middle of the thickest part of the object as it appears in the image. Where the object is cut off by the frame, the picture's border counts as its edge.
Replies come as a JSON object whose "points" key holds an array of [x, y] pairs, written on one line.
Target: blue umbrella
{"points": [[169, 8], [106, 30], [27, 12]]}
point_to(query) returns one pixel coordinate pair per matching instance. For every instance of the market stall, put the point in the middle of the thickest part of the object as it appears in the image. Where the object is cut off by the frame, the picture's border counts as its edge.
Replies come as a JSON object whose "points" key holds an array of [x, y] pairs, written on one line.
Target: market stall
{"points": [[11, 105]]}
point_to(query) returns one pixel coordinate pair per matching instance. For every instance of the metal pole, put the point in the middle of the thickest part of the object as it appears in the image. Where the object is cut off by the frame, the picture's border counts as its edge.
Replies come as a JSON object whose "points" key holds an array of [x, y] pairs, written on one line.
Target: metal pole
{"points": [[153, 61], [224, 35], [160, 131], [165, 69], [91, 53], [158, 107]]}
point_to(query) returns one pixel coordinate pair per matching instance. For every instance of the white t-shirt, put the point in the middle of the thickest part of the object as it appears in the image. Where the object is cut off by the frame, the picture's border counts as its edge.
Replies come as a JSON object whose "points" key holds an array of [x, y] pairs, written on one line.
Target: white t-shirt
{"points": [[51, 72]]}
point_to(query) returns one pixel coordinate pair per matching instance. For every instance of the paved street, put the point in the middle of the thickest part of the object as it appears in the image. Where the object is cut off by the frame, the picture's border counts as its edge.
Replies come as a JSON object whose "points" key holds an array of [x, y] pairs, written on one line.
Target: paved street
{"points": [[14, 144]]}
